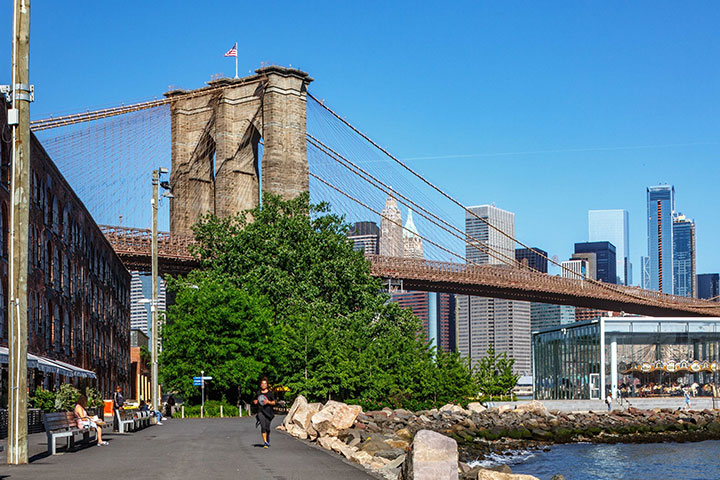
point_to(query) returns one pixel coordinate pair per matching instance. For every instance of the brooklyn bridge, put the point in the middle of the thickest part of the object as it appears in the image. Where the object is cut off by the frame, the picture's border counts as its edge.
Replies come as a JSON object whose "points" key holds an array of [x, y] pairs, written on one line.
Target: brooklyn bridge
{"points": [[235, 138]]}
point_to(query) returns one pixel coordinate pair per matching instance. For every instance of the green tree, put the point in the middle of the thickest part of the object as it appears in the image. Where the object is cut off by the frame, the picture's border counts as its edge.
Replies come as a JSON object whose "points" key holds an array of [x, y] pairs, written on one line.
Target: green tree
{"points": [[494, 373], [331, 333], [220, 328]]}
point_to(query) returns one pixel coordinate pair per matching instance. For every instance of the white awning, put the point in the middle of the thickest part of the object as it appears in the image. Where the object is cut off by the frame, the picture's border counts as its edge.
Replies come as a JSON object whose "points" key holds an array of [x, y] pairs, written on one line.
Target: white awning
{"points": [[47, 365]]}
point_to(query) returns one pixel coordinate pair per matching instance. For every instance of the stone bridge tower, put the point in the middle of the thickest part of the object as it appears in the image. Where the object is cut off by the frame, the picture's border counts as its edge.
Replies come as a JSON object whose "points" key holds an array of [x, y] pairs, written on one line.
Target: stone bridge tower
{"points": [[215, 135]]}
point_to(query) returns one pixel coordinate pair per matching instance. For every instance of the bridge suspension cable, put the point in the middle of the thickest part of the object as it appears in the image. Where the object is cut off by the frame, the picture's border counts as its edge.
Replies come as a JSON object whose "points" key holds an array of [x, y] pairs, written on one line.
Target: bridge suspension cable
{"points": [[373, 180]]}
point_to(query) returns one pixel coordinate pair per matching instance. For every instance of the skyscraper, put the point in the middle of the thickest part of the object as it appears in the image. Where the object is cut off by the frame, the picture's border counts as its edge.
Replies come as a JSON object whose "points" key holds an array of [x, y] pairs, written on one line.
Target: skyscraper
{"points": [[645, 274], [412, 243], [684, 257], [365, 236], [605, 259], [482, 322], [534, 258], [660, 208], [141, 289], [544, 315], [613, 226], [708, 286], [575, 269], [391, 238]]}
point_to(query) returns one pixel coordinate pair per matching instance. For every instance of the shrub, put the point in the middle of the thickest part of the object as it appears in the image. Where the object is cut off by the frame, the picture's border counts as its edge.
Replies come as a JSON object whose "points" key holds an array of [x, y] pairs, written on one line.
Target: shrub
{"points": [[44, 400], [212, 409], [94, 398], [66, 398]]}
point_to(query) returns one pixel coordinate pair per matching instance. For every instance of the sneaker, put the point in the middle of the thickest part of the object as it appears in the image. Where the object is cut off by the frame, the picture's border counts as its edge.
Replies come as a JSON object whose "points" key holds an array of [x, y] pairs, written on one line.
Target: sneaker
{"points": [[266, 445], [158, 423], [100, 444], [164, 418]]}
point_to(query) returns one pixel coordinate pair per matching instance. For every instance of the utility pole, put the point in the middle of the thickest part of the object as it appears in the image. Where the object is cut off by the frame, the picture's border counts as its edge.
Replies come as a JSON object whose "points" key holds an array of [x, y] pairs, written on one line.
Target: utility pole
{"points": [[154, 302], [19, 118]]}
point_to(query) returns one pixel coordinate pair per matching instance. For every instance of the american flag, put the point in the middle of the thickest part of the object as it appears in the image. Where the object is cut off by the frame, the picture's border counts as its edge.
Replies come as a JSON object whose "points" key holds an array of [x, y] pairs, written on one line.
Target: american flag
{"points": [[232, 52]]}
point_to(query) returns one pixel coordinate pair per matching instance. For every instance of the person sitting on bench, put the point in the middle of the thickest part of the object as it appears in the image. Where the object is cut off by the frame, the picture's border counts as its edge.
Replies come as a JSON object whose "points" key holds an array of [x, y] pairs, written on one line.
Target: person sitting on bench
{"points": [[85, 421]]}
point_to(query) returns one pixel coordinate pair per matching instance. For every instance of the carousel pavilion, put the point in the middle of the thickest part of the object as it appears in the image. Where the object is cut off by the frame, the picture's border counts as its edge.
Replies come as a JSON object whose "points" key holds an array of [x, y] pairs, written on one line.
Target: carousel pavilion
{"points": [[628, 356]]}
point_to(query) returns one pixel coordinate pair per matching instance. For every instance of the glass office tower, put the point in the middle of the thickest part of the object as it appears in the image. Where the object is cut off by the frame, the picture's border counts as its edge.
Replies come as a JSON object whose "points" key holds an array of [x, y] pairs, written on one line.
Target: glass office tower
{"points": [[684, 257], [660, 208], [613, 226]]}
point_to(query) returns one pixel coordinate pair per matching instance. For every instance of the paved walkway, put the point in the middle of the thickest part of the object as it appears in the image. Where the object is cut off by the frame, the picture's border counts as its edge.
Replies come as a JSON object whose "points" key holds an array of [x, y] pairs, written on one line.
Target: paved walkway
{"points": [[217, 449]]}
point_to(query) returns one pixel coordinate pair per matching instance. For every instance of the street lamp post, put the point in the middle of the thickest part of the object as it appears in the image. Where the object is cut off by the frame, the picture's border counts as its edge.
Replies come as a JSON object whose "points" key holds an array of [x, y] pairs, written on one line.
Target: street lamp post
{"points": [[155, 201]]}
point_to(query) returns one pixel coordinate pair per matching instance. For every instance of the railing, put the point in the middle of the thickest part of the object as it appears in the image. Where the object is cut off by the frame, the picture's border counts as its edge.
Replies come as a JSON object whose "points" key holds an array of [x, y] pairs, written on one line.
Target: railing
{"points": [[511, 277], [135, 242]]}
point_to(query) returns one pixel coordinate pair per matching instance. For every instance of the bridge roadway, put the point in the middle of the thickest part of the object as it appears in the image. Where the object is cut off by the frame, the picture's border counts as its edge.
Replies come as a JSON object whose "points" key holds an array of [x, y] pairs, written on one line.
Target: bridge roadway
{"points": [[498, 281], [227, 448]]}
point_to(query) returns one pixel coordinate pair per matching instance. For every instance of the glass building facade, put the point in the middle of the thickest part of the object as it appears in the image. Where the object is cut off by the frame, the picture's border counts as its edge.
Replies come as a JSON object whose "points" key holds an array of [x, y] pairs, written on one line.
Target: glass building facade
{"points": [[684, 257], [613, 226], [660, 208], [708, 286], [605, 259], [632, 356]]}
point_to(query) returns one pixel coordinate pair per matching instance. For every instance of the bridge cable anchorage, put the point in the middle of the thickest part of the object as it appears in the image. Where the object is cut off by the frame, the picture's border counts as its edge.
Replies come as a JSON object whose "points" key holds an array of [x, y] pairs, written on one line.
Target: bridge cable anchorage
{"points": [[670, 299], [435, 220], [555, 284]]}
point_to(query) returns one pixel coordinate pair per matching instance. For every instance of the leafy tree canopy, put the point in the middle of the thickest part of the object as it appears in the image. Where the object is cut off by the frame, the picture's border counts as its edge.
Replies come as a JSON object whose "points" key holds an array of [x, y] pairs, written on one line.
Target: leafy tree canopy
{"points": [[282, 293]]}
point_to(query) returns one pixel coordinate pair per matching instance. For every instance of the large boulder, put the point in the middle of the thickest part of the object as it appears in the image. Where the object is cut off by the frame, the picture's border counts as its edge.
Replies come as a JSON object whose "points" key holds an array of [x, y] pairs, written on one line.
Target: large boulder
{"points": [[476, 407], [484, 474], [432, 456], [533, 406], [300, 402], [333, 417], [304, 414]]}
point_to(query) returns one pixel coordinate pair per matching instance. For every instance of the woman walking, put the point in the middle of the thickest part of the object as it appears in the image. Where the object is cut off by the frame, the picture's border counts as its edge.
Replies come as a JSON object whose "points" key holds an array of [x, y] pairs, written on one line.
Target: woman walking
{"points": [[265, 401]]}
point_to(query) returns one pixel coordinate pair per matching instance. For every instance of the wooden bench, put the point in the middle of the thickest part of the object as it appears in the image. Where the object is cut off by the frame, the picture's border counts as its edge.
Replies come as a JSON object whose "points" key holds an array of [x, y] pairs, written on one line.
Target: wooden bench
{"points": [[124, 419], [63, 424]]}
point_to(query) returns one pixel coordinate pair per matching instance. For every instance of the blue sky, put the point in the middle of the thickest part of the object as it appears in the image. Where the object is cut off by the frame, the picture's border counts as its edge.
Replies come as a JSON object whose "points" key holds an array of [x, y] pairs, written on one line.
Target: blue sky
{"points": [[547, 109]]}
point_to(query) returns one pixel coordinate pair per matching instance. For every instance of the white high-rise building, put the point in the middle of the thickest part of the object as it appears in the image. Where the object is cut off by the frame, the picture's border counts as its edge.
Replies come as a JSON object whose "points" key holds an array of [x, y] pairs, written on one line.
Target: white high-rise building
{"points": [[141, 289], [613, 226], [576, 269], [482, 321], [391, 237], [412, 243]]}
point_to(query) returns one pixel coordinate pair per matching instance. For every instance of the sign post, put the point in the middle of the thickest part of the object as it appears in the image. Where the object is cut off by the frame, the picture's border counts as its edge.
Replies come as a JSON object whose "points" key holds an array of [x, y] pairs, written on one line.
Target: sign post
{"points": [[200, 382]]}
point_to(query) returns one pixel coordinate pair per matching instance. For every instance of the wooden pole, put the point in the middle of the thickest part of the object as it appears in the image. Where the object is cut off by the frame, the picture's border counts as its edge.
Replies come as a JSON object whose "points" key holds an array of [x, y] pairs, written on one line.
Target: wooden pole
{"points": [[19, 225]]}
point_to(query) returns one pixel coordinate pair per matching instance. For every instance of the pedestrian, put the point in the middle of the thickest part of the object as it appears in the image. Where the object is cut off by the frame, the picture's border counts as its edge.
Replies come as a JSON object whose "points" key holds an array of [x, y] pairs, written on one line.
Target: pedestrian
{"points": [[608, 400], [86, 421], [118, 402], [144, 407], [265, 401], [687, 399], [169, 405]]}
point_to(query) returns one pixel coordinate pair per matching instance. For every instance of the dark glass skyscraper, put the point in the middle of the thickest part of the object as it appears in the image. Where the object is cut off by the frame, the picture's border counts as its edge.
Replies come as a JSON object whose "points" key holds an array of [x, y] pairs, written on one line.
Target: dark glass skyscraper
{"points": [[684, 256], [366, 237], [660, 208], [605, 259], [708, 286], [537, 259]]}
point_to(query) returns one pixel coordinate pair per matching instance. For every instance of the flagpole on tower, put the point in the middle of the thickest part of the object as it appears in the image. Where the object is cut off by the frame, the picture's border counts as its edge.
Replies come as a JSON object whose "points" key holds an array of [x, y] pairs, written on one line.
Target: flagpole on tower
{"points": [[236, 64]]}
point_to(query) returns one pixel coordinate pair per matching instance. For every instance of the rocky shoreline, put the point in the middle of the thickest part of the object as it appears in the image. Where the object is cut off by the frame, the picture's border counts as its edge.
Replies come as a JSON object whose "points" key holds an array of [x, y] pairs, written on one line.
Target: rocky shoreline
{"points": [[381, 440]]}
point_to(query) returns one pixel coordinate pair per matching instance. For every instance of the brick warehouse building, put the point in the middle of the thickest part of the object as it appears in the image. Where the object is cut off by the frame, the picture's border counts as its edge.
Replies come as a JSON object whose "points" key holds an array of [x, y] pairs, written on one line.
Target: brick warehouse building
{"points": [[78, 288]]}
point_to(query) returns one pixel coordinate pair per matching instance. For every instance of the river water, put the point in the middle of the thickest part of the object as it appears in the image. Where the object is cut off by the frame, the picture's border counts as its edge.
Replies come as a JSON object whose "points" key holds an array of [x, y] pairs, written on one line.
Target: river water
{"points": [[666, 461]]}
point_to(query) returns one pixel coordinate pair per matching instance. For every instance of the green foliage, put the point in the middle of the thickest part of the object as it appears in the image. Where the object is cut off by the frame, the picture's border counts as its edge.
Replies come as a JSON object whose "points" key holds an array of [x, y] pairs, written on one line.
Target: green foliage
{"points": [[212, 409], [283, 294], [43, 399], [494, 375], [221, 329], [145, 355], [66, 397], [94, 398]]}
